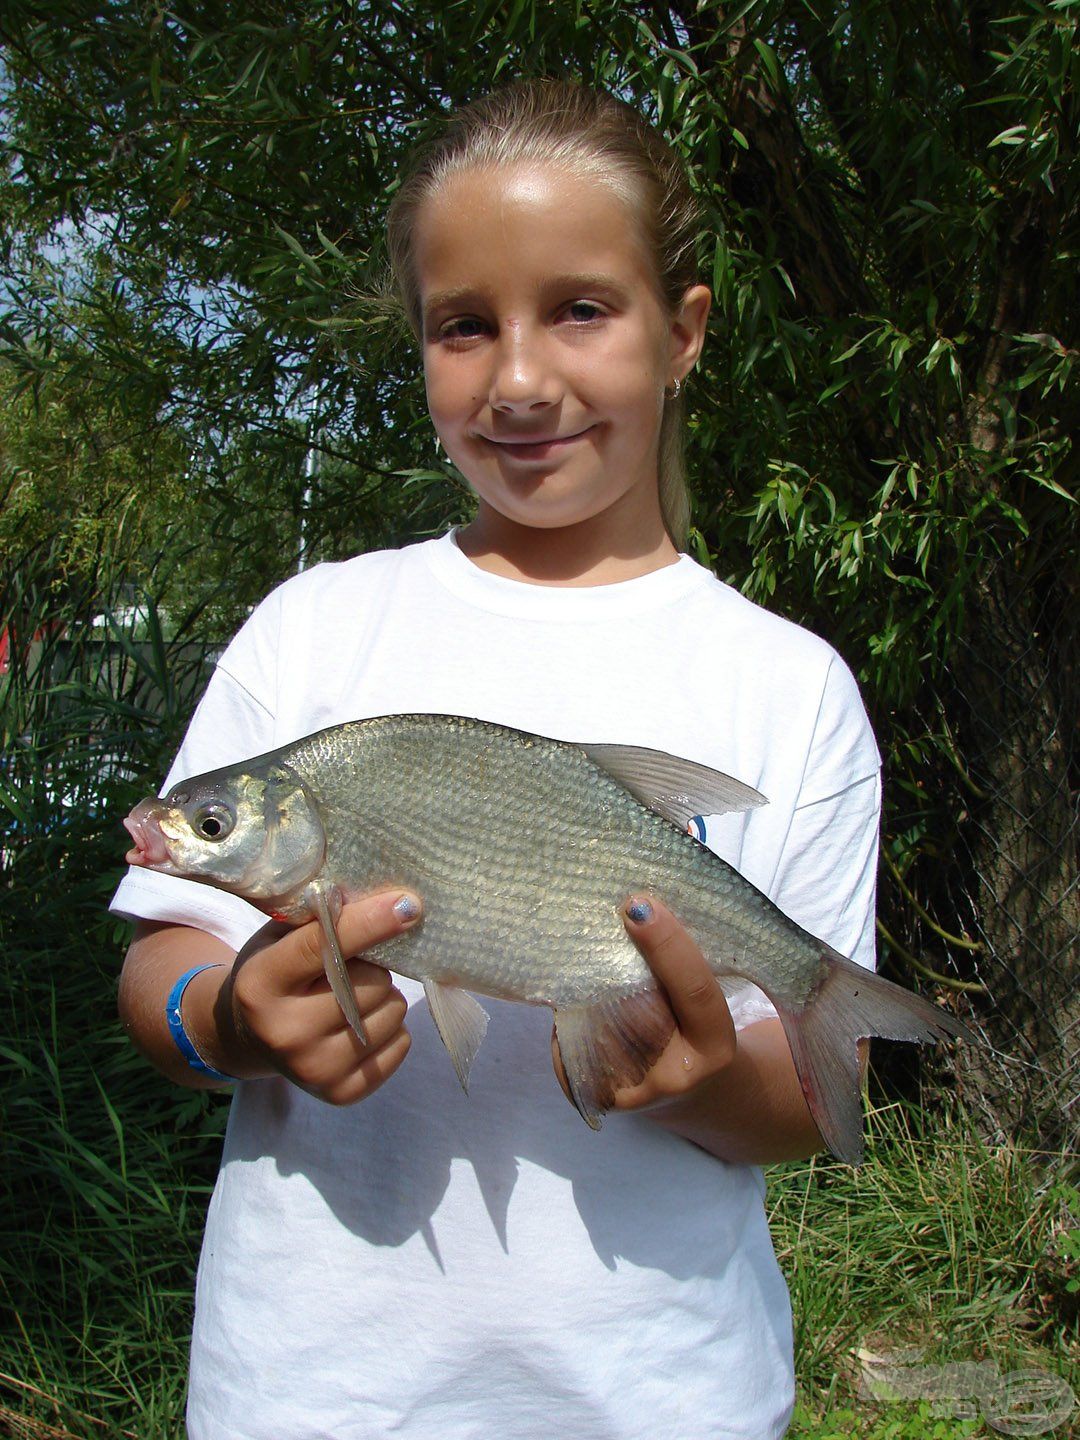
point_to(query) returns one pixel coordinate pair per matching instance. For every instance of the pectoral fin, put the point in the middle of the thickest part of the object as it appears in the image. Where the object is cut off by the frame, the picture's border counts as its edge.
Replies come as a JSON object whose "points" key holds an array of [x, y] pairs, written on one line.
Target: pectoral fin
{"points": [[461, 1022], [333, 961], [610, 1045]]}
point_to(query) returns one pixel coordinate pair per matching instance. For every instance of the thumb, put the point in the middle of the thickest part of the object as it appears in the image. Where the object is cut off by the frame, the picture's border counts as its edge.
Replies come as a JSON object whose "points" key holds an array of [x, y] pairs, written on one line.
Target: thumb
{"points": [[286, 960]]}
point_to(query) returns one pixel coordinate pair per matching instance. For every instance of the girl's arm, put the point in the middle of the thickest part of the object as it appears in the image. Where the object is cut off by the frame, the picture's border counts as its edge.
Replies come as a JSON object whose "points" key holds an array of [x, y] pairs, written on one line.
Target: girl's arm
{"points": [[753, 1112], [269, 1010]]}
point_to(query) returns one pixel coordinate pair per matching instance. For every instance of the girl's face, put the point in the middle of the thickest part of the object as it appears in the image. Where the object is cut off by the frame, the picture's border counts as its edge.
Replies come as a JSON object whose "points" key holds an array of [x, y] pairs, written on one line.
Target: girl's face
{"points": [[546, 347]]}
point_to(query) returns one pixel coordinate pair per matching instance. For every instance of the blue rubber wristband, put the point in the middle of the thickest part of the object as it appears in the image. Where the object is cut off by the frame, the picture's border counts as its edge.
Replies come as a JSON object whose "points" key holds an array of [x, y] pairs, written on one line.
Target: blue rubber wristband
{"points": [[181, 1039]]}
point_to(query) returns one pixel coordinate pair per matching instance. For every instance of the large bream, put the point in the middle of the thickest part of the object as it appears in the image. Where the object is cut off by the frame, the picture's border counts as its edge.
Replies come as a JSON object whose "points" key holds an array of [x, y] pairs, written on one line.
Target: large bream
{"points": [[524, 850]]}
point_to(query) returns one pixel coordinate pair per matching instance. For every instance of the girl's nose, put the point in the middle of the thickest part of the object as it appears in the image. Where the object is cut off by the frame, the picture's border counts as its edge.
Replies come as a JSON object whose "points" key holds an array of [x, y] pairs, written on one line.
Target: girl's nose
{"points": [[523, 378]]}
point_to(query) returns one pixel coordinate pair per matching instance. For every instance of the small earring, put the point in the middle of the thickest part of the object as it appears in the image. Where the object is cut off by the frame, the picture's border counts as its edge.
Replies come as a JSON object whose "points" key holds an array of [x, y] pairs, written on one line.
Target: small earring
{"points": [[676, 389]]}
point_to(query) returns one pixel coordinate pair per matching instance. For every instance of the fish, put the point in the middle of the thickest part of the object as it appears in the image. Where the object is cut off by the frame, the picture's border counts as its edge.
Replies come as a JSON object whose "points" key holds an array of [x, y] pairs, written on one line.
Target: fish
{"points": [[525, 850]]}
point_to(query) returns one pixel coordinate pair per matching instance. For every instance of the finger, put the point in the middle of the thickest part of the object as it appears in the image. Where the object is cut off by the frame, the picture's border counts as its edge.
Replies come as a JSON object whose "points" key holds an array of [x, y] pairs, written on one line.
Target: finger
{"points": [[299, 1021], [693, 991], [370, 982], [297, 958], [374, 919], [327, 1046], [343, 1083], [371, 1072]]}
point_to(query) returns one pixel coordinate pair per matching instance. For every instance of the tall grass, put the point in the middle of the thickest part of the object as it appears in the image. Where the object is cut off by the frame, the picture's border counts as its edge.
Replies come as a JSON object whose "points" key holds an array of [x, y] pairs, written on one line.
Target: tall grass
{"points": [[966, 1252], [939, 1248], [107, 1168]]}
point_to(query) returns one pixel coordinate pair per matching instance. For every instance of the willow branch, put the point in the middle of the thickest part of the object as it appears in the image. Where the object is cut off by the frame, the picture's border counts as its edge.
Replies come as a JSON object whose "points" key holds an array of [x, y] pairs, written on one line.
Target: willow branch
{"points": [[962, 987], [973, 945]]}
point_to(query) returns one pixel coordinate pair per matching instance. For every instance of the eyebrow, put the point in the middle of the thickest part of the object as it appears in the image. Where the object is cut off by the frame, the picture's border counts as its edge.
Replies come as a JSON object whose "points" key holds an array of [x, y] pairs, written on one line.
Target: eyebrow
{"points": [[585, 281], [448, 299]]}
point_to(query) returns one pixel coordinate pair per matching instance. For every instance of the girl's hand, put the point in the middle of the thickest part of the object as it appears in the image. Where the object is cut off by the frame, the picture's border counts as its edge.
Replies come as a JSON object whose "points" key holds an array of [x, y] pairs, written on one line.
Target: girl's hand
{"points": [[737, 1096], [704, 1042], [275, 1009]]}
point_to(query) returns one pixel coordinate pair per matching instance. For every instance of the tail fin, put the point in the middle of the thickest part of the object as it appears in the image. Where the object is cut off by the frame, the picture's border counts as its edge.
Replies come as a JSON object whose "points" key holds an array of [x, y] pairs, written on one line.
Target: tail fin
{"points": [[850, 1004]]}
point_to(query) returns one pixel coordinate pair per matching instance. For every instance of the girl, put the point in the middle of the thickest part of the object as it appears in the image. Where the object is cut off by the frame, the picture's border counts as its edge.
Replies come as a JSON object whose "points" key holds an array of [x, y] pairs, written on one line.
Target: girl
{"points": [[421, 1263]]}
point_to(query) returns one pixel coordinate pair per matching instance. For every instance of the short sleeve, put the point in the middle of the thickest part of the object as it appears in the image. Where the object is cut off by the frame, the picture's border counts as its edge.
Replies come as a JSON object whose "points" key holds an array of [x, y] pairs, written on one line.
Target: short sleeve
{"points": [[826, 874], [233, 721]]}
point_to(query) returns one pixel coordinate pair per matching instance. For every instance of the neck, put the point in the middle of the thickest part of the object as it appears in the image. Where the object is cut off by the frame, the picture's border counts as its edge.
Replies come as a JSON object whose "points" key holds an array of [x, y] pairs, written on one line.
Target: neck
{"points": [[592, 552]]}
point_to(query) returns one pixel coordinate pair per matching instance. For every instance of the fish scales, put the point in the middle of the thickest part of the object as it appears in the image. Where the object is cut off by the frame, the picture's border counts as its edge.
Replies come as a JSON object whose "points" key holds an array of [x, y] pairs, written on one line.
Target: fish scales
{"points": [[525, 850], [524, 893]]}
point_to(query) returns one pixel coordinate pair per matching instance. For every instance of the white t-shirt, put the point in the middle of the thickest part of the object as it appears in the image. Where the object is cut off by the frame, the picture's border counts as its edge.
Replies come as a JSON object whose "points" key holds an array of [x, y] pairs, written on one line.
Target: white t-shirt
{"points": [[427, 1264]]}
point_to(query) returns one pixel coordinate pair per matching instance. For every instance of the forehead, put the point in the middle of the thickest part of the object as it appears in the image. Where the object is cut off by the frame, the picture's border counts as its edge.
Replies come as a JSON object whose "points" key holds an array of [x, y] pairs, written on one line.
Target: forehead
{"points": [[522, 222]]}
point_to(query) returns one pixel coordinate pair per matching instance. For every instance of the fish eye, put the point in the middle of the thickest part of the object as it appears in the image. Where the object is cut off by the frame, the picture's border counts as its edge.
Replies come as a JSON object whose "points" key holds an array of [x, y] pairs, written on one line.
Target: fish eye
{"points": [[212, 822]]}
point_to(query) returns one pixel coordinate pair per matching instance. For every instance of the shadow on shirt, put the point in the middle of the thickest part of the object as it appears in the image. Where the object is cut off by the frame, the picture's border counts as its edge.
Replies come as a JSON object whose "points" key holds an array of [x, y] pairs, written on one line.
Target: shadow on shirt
{"points": [[419, 1157]]}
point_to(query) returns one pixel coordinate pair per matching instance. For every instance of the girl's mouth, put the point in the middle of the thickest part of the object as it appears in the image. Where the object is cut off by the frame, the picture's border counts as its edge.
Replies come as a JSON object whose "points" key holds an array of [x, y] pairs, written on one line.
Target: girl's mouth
{"points": [[542, 448]]}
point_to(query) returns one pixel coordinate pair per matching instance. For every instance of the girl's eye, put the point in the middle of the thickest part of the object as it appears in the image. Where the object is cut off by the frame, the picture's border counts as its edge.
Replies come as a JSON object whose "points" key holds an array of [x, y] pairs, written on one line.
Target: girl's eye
{"points": [[468, 327], [582, 311]]}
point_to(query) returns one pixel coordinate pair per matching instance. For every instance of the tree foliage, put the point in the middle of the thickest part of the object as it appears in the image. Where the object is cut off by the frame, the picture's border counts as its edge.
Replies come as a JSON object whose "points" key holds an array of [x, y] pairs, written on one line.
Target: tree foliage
{"points": [[200, 389], [890, 199], [894, 257], [193, 200]]}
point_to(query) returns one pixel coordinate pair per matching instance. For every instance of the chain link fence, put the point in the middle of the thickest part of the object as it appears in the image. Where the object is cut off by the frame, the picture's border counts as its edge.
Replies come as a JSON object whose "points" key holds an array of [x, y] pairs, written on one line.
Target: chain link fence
{"points": [[981, 894]]}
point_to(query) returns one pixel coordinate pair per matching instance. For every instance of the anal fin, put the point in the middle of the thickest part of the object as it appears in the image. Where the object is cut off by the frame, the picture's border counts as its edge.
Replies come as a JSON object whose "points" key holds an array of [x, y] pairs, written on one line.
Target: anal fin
{"points": [[610, 1045], [461, 1022], [333, 961]]}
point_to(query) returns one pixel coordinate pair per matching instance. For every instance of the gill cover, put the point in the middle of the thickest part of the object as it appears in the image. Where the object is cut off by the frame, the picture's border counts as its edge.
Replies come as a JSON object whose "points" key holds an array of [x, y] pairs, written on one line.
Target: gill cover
{"points": [[256, 832], [295, 839]]}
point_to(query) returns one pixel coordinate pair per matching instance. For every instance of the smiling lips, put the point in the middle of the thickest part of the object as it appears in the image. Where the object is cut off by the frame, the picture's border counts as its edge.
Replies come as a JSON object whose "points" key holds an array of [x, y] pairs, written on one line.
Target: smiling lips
{"points": [[534, 447]]}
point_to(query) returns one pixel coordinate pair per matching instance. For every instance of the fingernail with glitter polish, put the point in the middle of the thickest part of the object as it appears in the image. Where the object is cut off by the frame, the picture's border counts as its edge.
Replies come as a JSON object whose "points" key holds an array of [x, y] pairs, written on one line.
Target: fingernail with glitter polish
{"points": [[639, 911], [407, 908]]}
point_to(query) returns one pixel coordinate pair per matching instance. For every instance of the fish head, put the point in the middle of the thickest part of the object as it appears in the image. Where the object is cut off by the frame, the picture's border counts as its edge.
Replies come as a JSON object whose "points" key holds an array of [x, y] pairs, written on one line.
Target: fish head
{"points": [[253, 830]]}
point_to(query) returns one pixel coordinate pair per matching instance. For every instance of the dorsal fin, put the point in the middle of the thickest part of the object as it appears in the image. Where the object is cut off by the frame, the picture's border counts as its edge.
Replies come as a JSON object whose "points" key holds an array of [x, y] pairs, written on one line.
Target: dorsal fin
{"points": [[677, 789]]}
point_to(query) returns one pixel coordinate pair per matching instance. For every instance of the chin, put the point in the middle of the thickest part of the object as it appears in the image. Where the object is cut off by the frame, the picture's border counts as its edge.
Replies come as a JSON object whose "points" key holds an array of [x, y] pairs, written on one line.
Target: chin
{"points": [[556, 517], [542, 510]]}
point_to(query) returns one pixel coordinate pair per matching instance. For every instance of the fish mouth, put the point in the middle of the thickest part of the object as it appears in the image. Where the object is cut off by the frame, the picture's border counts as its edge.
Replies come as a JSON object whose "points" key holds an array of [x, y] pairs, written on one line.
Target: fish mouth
{"points": [[150, 849]]}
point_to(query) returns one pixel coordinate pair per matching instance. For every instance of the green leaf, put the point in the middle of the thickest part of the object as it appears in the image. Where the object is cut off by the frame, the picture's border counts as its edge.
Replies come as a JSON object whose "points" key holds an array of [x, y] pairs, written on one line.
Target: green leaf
{"points": [[769, 60], [297, 249], [328, 245]]}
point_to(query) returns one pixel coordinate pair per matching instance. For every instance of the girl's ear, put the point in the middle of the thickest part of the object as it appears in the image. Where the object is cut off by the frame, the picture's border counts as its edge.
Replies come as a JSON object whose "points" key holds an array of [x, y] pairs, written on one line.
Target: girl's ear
{"points": [[688, 330]]}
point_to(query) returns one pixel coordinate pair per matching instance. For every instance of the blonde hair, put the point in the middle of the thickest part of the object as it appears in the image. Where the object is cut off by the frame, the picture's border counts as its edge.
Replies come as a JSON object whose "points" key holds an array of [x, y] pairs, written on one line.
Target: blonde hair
{"points": [[559, 122]]}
